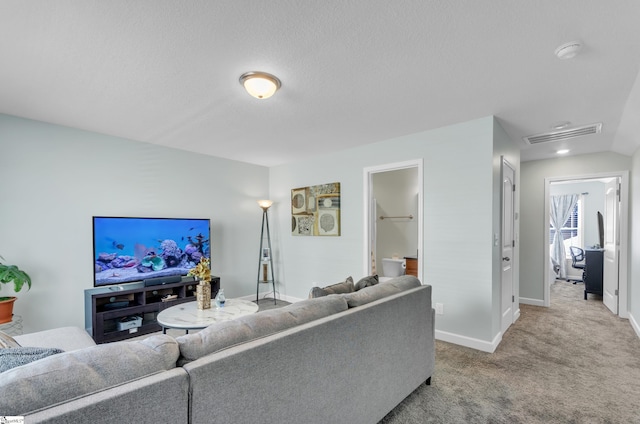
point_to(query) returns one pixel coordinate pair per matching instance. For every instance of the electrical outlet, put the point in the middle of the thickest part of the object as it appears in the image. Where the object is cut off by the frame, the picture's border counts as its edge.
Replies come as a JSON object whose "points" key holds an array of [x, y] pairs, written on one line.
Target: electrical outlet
{"points": [[439, 309]]}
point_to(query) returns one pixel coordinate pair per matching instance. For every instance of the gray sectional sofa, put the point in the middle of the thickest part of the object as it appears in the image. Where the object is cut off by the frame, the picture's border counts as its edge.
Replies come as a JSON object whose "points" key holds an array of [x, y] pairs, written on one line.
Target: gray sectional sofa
{"points": [[341, 358]]}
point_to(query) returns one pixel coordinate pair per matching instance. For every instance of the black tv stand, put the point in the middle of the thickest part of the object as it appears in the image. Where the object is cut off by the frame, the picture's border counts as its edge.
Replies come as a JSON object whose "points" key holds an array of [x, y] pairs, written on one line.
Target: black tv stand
{"points": [[108, 307]]}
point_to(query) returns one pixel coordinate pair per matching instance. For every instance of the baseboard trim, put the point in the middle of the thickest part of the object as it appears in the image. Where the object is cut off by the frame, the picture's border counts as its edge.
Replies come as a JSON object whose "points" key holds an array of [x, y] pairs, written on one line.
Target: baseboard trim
{"points": [[465, 341], [634, 325], [516, 315], [534, 302]]}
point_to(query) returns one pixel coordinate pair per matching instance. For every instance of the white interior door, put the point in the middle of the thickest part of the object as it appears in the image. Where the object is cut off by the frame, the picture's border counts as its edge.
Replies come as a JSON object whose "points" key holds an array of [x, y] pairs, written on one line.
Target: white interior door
{"points": [[508, 242], [611, 246], [374, 237]]}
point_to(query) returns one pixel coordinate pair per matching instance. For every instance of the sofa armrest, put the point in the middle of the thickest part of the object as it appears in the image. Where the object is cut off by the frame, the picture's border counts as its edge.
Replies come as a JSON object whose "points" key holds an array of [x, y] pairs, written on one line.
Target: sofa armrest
{"points": [[65, 338]]}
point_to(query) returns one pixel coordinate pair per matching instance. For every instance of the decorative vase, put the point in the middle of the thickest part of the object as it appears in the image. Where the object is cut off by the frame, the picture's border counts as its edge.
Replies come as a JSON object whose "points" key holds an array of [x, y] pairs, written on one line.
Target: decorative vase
{"points": [[6, 309], [203, 295]]}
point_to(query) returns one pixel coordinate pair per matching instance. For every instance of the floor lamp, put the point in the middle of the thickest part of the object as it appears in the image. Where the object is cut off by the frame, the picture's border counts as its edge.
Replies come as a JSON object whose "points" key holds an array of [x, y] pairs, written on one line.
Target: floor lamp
{"points": [[265, 259]]}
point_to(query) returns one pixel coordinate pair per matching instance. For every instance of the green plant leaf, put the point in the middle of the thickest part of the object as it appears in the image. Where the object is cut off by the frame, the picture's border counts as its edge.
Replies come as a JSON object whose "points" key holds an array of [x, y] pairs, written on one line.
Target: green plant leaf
{"points": [[11, 273]]}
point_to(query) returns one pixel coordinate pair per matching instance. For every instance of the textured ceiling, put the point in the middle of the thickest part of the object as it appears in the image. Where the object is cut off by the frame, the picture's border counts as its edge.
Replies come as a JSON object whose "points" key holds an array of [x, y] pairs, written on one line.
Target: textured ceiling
{"points": [[353, 72]]}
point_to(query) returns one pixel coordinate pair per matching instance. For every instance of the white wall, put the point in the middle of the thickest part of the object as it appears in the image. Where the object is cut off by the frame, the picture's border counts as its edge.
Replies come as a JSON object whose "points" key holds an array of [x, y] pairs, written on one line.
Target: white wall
{"points": [[396, 193], [53, 179], [533, 176], [458, 251]]}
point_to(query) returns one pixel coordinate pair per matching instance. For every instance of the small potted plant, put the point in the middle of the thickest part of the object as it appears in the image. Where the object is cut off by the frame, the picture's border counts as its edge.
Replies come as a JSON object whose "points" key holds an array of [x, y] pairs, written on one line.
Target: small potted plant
{"points": [[8, 274]]}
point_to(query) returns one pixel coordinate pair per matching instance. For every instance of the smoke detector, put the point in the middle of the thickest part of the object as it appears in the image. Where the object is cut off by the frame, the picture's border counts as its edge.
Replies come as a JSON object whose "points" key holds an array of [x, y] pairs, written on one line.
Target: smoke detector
{"points": [[564, 134], [568, 50]]}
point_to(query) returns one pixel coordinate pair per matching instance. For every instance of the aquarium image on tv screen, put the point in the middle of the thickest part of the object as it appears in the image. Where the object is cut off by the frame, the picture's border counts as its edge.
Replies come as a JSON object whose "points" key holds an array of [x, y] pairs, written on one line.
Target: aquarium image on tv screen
{"points": [[136, 249]]}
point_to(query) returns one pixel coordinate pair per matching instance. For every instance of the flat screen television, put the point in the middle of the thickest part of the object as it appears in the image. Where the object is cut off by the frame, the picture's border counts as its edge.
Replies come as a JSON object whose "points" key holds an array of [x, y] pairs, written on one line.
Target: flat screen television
{"points": [[136, 249]]}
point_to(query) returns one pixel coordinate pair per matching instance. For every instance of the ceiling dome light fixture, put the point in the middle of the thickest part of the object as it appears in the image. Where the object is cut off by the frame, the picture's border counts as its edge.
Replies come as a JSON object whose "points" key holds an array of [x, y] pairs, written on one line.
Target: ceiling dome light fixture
{"points": [[568, 50], [562, 151], [260, 84]]}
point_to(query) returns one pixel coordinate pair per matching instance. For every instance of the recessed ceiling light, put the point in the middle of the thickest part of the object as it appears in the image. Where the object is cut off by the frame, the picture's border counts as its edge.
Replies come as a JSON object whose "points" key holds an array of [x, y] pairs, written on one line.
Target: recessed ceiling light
{"points": [[568, 50], [560, 125], [562, 151], [260, 84]]}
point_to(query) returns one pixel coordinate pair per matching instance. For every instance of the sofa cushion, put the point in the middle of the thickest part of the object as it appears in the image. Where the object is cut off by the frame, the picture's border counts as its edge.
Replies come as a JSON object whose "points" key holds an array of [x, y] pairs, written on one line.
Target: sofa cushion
{"points": [[6, 341], [368, 281], [345, 286], [14, 357], [70, 375], [225, 334], [387, 288]]}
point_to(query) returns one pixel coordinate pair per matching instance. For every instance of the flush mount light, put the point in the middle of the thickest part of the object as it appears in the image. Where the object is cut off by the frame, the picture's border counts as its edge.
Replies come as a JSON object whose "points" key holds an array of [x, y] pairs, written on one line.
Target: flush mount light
{"points": [[260, 84], [562, 151], [568, 50]]}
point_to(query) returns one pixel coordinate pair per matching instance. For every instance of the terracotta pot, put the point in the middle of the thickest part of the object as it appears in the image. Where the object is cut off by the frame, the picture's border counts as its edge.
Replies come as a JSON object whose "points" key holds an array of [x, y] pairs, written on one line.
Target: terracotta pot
{"points": [[6, 309]]}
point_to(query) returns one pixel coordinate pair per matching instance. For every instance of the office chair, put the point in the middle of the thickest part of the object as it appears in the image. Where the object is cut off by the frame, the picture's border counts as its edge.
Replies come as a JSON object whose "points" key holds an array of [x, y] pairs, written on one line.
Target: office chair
{"points": [[577, 258]]}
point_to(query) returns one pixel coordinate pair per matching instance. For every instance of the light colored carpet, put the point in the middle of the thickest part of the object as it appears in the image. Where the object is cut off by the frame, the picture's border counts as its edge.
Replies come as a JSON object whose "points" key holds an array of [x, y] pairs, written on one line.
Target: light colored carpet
{"points": [[574, 362]]}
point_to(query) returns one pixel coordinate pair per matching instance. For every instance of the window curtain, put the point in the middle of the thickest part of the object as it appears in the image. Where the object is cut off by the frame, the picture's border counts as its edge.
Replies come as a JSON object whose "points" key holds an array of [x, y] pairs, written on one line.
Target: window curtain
{"points": [[561, 207]]}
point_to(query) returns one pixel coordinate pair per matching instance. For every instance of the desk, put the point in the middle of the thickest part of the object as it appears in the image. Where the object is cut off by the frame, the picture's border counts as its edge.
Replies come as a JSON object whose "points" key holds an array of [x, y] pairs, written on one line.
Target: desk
{"points": [[593, 272], [187, 316]]}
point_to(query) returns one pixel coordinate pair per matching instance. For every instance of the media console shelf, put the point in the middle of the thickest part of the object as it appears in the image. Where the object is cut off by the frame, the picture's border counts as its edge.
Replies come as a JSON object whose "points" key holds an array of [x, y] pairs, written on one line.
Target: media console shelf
{"points": [[115, 314]]}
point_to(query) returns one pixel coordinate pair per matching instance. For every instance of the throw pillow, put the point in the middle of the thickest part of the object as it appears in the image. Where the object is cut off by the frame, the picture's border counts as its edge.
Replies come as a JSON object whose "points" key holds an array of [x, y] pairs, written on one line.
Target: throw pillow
{"points": [[369, 281], [11, 358], [317, 292], [344, 287], [371, 294], [6, 341]]}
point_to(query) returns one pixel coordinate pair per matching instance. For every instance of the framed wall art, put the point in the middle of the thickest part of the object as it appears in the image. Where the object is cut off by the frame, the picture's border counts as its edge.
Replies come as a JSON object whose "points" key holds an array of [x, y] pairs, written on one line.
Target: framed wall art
{"points": [[315, 210]]}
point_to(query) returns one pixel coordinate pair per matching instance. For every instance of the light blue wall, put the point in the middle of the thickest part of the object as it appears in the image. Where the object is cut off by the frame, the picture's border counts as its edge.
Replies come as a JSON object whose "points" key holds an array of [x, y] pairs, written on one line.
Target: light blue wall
{"points": [[53, 179], [458, 214], [533, 176], [60, 177]]}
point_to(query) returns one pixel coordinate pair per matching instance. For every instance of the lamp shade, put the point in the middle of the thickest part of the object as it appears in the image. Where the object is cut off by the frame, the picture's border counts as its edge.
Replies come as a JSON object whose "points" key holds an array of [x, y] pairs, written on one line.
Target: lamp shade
{"points": [[260, 84], [265, 204]]}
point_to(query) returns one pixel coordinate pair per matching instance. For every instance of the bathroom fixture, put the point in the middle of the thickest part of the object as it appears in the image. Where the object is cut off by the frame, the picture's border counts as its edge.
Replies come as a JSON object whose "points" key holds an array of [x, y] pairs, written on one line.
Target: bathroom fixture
{"points": [[393, 267]]}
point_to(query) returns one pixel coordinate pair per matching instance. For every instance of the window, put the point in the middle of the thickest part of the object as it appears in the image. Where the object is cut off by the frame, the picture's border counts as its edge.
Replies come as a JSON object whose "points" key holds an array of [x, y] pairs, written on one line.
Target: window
{"points": [[572, 230]]}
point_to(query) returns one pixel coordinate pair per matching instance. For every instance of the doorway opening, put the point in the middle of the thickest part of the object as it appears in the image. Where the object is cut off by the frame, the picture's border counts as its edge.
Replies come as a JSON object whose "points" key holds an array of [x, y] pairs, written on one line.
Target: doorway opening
{"points": [[598, 195], [407, 219]]}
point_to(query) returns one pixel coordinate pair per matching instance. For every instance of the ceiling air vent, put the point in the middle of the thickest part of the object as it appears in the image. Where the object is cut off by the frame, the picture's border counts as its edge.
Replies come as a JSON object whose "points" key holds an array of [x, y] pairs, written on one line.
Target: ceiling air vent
{"points": [[564, 134]]}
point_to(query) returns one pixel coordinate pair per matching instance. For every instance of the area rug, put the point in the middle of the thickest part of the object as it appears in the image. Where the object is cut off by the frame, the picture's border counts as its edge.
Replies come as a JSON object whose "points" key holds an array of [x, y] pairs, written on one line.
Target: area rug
{"points": [[574, 362]]}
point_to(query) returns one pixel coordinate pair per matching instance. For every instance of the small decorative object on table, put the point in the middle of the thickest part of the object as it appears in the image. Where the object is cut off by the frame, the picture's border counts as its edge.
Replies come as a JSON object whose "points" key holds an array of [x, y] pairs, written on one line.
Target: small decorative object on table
{"points": [[220, 299], [202, 272]]}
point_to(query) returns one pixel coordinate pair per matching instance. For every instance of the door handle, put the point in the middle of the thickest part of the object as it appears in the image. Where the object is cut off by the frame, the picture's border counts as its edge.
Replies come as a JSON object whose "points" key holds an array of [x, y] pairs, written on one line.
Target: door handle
{"points": [[506, 258]]}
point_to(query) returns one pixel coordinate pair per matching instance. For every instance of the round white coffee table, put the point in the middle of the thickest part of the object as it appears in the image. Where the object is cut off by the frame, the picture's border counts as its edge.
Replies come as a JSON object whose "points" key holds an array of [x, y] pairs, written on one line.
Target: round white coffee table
{"points": [[187, 316]]}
